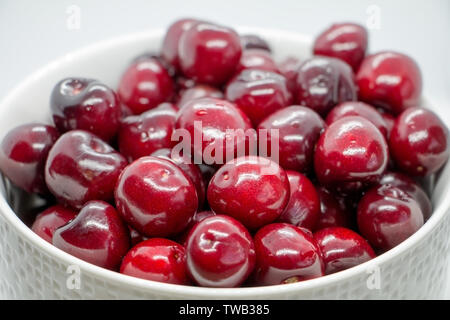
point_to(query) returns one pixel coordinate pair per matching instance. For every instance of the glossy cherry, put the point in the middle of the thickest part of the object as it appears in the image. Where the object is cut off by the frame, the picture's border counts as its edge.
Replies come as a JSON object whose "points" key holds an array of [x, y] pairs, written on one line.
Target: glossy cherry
{"points": [[286, 254], [209, 53], [252, 41], [342, 248], [419, 142], [351, 155], [303, 208], [97, 235], [220, 252], [258, 93], [257, 59], [334, 212], [297, 131], [140, 135], [155, 197], [145, 84], [156, 259], [324, 82], [82, 167], [387, 216], [198, 91], [289, 69], [390, 80], [345, 41], [51, 219], [253, 190], [23, 152]]}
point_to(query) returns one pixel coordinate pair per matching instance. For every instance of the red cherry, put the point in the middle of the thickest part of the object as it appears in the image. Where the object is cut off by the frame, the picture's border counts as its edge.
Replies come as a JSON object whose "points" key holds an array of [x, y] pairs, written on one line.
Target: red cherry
{"points": [[97, 235], [304, 207], [143, 134], [144, 85], [209, 53], [156, 259], [23, 152], [389, 120], [289, 69], [252, 41], [286, 254], [82, 167], [253, 190], [220, 252], [342, 249], [196, 218], [419, 142], [155, 197], [257, 59], [51, 219], [258, 93], [387, 216], [298, 129], [390, 80], [324, 82], [351, 155], [333, 210], [199, 91], [345, 41]]}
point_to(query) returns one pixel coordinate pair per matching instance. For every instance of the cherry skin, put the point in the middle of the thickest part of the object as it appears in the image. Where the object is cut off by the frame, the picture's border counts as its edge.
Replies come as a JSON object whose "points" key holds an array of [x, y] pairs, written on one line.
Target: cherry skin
{"points": [[219, 252], [357, 108], [304, 206], [333, 210], [51, 219], [258, 93], [251, 189], [23, 152], [351, 155], [85, 104], [209, 53], [387, 216], [145, 84], [155, 197], [298, 129], [342, 248], [136, 237], [207, 121], [97, 235], [140, 135], [345, 41], [199, 91], [196, 218], [324, 82], [389, 120], [289, 69], [252, 41], [286, 254], [257, 59], [156, 259], [419, 142], [390, 80], [82, 167]]}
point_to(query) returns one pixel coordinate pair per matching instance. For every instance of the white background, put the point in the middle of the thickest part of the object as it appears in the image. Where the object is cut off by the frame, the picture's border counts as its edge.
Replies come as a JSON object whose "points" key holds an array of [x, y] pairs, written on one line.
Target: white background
{"points": [[32, 33]]}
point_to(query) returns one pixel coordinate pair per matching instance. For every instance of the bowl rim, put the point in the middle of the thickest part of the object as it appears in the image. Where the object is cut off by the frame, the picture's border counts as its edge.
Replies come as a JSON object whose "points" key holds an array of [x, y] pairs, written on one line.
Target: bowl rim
{"points": [[181, 290]]}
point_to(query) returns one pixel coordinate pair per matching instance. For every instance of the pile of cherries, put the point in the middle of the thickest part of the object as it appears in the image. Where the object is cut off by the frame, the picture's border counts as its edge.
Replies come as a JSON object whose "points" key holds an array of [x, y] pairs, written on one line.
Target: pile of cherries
{"points": [[353, 138]]}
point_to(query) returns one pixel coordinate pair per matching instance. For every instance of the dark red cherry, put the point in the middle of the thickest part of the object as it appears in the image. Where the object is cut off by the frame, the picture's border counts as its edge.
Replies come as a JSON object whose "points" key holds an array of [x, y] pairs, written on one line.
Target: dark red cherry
{"points": [[334, 212], [297, 131], [97, 235], [155, 197], [387, 216], [209, 53], [289, 69], [342, 248], [212, 125], [252, 41], [253, 190], [345, 41], [357, 108], [199, 91], [257, 59], [324, 82], [144, 85], [82, 167], [258, 93], [220, 252], [85, 104], [351, 155], [51, 219], [419, 142], [141, 135], [390, 80], [23, 153], [156, 259], [286, 254], [303, 208]]}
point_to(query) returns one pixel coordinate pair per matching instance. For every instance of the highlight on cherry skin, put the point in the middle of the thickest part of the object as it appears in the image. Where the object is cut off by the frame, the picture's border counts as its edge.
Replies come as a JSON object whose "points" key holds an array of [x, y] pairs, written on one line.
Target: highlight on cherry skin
{"points": [[316, 163]]}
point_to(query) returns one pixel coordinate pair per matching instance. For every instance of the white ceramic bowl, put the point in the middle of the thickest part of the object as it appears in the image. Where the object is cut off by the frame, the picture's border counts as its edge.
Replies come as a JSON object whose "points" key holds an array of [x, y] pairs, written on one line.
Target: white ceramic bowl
{"points": [[32, 268]]}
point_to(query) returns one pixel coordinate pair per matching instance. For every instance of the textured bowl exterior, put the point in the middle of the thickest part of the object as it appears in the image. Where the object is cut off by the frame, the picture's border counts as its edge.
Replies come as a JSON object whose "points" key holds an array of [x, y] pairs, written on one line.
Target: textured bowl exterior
{"points": [[30, 268]]}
